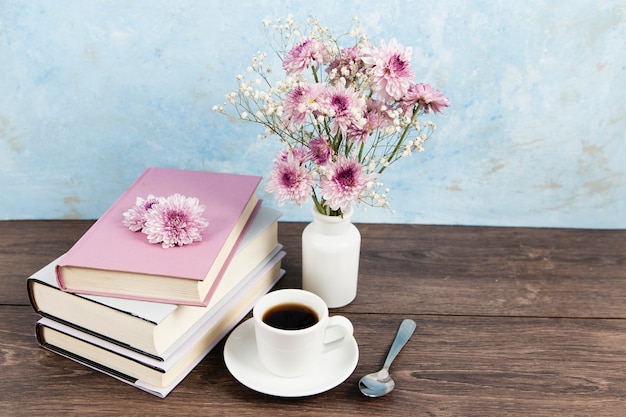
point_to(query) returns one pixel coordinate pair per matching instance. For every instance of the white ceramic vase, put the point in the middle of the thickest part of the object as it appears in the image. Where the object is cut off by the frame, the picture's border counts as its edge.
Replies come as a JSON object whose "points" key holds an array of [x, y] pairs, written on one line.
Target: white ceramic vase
{"points": [[331, 247]]}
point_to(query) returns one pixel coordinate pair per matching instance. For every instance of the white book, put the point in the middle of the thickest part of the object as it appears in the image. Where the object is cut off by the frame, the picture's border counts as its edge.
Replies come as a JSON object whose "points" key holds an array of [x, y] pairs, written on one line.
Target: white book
{"points": [[158, 377]]}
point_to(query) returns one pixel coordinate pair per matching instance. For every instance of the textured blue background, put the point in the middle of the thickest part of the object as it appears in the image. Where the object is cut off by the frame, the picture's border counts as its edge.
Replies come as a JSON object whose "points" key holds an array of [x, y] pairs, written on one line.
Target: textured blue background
{"points": [[92, 92]]}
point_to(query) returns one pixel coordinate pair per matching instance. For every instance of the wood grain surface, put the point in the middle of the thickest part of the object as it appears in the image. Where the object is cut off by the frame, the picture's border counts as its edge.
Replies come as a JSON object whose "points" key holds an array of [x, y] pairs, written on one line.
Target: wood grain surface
{"points": [[510, 321]]}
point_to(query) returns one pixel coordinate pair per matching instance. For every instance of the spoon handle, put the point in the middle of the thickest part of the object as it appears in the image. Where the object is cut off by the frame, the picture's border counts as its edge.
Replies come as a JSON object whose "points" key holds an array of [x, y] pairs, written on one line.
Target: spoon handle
{"points": [[406, 329]]}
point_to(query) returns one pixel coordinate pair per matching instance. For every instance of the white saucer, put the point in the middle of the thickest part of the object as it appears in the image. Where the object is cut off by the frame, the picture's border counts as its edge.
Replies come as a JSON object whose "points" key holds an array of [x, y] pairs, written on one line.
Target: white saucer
{"points": [[243, 362]]}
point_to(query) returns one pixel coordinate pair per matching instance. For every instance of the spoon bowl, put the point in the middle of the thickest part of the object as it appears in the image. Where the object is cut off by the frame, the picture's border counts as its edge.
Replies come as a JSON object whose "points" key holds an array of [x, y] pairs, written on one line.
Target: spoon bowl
{"points": [[380, 383], [377, 384]]}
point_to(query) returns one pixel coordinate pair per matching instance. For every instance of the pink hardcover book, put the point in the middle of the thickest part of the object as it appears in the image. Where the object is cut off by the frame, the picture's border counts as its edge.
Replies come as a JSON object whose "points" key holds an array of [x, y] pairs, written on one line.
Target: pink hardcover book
{"points": [[111, 260]]}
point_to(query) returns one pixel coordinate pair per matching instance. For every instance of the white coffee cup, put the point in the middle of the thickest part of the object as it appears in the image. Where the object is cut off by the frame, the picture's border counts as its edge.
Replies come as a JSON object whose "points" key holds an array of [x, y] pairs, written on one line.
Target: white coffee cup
{"points": [[289, 352]]}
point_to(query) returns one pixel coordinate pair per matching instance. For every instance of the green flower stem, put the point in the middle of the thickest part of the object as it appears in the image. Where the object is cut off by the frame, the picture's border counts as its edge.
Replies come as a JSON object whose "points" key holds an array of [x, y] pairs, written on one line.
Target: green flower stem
{"points": [[320, 206], [401, 139], [338, 140], [317, 80]]}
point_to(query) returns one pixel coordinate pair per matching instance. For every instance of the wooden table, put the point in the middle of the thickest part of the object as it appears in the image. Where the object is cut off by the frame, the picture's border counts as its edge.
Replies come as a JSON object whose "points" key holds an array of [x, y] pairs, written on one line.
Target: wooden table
{"points": [[510, 321]]}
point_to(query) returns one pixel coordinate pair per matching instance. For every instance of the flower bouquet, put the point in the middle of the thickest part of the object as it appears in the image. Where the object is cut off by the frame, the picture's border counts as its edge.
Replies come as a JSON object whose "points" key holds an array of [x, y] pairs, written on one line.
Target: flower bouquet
{"points": [[345, 111]]}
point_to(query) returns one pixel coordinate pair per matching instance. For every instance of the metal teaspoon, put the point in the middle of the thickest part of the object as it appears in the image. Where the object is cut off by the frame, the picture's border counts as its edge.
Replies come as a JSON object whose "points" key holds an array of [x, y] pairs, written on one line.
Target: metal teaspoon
{"points": [[380, 383]]}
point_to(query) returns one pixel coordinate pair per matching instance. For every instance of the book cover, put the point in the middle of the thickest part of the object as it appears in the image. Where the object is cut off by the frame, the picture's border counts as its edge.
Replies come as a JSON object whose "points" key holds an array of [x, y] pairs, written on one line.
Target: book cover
{"points": [[143, 372], [111, 260]]}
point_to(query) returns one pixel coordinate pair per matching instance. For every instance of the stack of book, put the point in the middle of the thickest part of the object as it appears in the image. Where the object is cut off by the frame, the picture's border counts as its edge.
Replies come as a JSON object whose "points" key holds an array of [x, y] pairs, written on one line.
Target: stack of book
{"points": [[147, 315]]}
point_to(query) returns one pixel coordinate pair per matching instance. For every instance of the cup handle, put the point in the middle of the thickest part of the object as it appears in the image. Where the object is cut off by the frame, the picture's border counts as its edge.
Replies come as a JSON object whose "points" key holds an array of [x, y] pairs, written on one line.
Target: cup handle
{"points": [[344, 326]]}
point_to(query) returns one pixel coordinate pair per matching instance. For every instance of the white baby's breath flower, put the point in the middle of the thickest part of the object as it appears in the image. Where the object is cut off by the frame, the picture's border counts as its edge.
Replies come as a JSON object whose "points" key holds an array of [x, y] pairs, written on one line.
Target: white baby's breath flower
{"points": [[407, 150]]}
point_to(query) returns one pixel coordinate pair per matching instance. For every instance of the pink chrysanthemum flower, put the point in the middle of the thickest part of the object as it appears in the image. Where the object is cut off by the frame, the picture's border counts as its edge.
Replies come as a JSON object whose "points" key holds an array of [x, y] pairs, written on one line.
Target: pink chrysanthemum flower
{"points": [[290, 180], [377, 114], [391, 69], [346, 107], [135, 217], [302, 102], [175, 221], [375, 118], [320, 151], [347, 64], [303, 55], [425, 95], [345, 184], [299, 154]]}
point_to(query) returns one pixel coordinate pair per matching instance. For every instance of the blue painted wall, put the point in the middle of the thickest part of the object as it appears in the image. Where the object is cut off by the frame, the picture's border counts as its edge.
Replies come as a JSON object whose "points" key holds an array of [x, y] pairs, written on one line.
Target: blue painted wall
{"points": [[92, 92]]}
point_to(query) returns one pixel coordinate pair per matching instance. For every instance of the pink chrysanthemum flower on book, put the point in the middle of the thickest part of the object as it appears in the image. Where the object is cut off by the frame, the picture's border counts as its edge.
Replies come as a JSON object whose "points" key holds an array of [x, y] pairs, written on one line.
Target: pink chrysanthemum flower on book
{"points": [[345, 183], [175, 221], [135, 217]]}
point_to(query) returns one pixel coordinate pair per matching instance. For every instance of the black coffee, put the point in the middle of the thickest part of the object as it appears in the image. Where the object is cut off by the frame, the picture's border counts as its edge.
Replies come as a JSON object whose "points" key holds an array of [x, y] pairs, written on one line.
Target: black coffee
{"points": [[290, 316]]}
